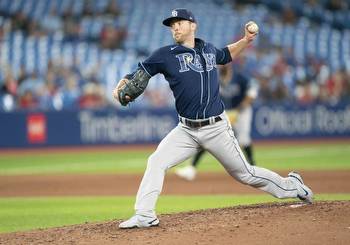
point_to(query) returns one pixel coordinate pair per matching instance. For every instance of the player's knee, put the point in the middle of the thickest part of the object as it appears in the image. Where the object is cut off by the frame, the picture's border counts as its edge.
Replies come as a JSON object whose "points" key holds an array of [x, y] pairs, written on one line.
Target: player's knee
{"points": [[247, 178], [154, 161]]}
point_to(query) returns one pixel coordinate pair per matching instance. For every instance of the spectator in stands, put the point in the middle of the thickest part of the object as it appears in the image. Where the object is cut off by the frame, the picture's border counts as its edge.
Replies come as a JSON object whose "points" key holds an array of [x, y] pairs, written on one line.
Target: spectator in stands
{"points": [[71, 26], [93, 96], [112, 37], [47, 93], [288, 15], [20, 22], [35, 29], [336, 5], [88, 9], [8, 90], [346, 75], [22, 74], [70, 93], [2, 32], [32, 83], [113, 32], [10, 84], [156, 98], [265, 92], [306, 93], [280, 92], [28, 101], [335, 86], [112, 9]]}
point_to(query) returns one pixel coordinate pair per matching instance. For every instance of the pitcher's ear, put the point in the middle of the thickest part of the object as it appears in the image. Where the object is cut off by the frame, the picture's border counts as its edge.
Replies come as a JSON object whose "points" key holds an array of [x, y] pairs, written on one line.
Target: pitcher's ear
{"points": [[193, 26]]}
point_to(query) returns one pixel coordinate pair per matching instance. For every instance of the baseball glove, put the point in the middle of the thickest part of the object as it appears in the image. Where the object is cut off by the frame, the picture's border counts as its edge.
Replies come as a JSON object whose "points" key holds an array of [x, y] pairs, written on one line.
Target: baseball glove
{"points": [[232, 115], [131, 87]]}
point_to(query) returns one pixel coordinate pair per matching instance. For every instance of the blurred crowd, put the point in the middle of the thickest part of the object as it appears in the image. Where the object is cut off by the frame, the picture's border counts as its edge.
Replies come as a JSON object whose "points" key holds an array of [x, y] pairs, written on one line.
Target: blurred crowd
{"points": [[279, 75], [332, 12], [281, 78], [110, 33], [61, 87]]}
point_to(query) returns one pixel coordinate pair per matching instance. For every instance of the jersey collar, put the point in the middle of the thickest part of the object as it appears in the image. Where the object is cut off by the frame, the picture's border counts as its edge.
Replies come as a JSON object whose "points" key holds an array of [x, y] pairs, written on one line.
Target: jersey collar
{"points": [[198, 44]]}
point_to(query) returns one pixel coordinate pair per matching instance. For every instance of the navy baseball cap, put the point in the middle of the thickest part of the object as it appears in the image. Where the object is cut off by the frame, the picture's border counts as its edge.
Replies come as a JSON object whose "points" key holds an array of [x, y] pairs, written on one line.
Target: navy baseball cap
{"points": [[182, 14]]}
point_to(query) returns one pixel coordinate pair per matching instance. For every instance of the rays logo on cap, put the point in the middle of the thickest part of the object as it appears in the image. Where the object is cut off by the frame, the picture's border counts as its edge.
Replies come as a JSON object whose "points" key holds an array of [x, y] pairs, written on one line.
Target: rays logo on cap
{"points": [[174, 13]]}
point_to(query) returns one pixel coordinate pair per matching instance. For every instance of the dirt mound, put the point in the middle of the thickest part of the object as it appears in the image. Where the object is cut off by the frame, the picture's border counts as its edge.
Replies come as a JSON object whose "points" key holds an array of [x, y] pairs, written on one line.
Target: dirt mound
{"points": [[276, 223]]}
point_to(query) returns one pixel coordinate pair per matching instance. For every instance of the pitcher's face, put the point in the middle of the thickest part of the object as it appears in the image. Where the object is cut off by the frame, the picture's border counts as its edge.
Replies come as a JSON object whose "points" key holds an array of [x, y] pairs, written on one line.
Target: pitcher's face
{"points": [[182, 30]]}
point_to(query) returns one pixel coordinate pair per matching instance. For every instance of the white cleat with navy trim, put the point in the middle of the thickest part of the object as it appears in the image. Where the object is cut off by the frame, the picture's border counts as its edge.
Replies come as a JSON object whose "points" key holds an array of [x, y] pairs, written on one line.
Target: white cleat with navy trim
{"points": [[304, 193], [139, 221]]}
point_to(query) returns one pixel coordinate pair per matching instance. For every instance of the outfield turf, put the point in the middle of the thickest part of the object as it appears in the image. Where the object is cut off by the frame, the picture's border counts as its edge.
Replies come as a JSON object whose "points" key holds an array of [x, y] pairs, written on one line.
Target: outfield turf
{"points": [[31, 213], [285, 157], [18, 214]]}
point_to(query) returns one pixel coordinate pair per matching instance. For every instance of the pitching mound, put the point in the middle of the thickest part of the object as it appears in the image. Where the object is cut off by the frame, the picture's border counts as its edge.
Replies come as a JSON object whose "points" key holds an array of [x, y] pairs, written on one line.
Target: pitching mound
{"points": [[277, 223]]}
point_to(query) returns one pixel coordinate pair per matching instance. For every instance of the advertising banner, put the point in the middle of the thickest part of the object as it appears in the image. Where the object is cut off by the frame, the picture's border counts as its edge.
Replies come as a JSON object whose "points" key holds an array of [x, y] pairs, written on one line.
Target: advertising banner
{"points": [[292, 121], [110, 126]]}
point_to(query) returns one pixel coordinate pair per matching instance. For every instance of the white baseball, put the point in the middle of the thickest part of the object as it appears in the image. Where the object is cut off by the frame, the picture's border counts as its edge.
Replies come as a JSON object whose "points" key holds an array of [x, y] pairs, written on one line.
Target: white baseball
{"points": [[252, 27]]}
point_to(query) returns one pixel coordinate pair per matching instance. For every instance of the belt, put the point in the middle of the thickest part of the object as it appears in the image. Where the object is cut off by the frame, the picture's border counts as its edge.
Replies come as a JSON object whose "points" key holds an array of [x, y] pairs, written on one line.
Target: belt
{"points": [[197, 124]]}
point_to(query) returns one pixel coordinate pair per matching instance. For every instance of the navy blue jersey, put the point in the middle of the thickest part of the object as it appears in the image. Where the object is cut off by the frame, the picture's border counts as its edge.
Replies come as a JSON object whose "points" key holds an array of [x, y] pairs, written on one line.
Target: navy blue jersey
{"points": [[192, 76], [234, 93]]}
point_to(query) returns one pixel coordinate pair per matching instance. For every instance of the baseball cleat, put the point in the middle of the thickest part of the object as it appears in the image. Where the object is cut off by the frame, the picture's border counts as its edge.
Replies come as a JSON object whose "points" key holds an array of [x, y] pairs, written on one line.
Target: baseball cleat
{"points": [[187, 173], [139, 221], [304, 193]]}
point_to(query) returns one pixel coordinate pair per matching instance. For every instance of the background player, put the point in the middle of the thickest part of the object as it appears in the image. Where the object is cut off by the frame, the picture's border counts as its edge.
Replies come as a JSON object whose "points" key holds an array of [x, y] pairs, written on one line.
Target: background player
{"points": [[238, 94], [190, 68]]}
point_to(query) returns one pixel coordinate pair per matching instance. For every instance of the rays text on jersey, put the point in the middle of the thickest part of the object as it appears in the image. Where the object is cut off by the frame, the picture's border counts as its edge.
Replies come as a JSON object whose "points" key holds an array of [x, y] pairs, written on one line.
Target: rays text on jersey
{"points": [[187, 62]]}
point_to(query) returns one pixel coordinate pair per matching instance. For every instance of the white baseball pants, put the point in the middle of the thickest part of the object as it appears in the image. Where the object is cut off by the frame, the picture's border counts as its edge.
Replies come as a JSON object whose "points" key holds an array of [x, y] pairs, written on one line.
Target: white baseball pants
{"points": [[218, 139]]}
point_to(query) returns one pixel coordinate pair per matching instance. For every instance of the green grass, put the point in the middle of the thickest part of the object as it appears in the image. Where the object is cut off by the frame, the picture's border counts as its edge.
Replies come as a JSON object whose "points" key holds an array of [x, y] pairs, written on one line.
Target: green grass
{"points": [[18, 214], [299, 157], [31, 213], [74, 162], [284, 157]]}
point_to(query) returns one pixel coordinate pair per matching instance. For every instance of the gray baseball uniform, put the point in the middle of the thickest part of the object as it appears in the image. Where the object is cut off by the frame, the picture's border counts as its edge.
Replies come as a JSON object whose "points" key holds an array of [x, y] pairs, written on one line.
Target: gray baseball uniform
{"points": [[218, 139], [193, 78]]}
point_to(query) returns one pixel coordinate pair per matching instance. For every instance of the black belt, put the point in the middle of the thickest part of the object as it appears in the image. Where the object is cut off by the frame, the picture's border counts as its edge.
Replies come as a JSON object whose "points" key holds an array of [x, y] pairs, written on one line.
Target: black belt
{"points": [[197, 124]]}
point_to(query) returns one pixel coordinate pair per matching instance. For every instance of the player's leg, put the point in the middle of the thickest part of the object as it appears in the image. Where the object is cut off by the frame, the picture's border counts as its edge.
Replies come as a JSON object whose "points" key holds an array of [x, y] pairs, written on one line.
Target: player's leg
{"points": [[242, 129], [176, 147], [225, 148]]}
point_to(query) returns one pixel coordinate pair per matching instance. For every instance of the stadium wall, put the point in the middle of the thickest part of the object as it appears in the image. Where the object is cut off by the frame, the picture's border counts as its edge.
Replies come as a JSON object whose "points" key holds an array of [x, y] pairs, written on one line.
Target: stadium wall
{"points": [[132, 126]]}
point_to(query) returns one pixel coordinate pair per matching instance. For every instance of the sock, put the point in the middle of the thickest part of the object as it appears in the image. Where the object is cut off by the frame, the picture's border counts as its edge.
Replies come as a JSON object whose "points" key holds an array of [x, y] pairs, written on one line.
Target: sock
{"points": [[248, 151], [197, 157]]}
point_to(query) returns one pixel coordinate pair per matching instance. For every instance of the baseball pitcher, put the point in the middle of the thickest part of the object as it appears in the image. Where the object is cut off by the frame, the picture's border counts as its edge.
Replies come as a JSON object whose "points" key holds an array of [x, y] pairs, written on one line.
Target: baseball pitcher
{"points": [[189, 66]]}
